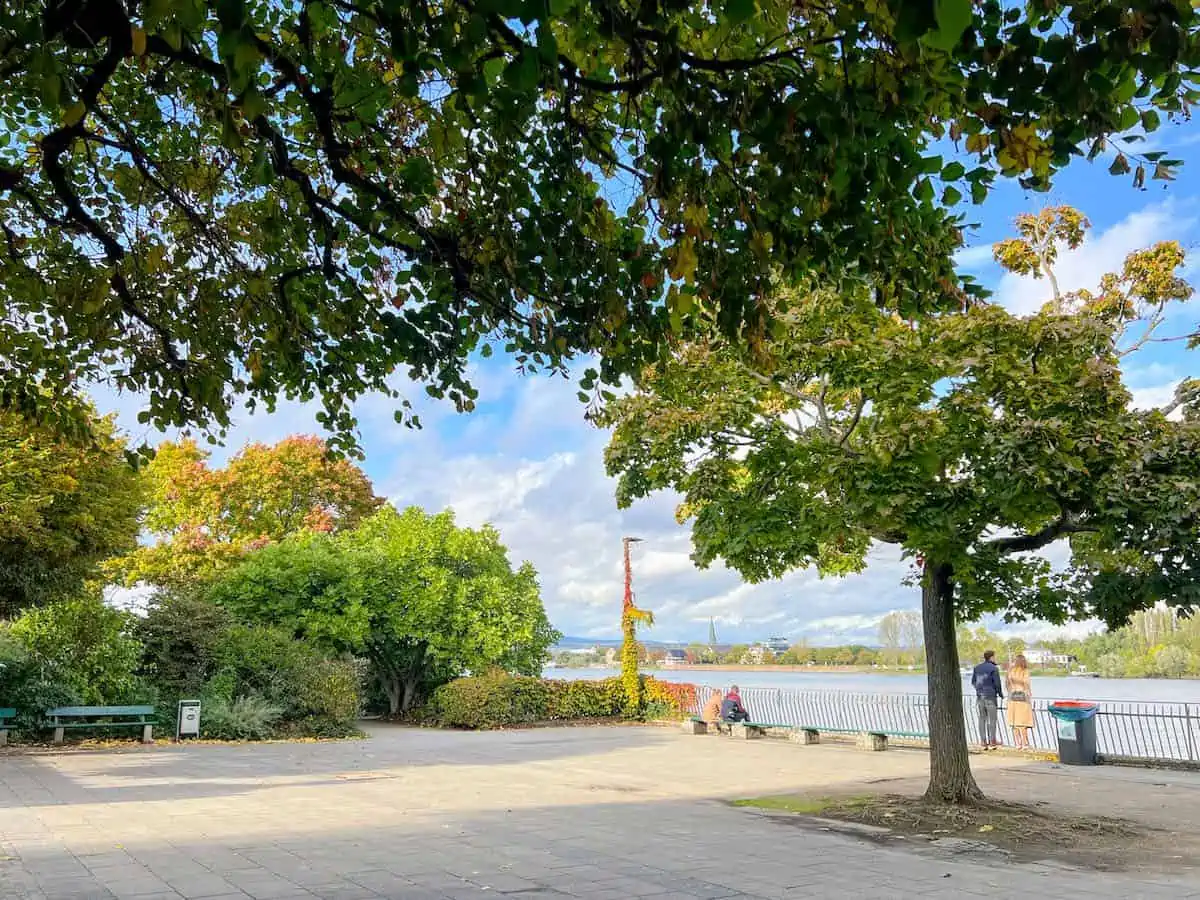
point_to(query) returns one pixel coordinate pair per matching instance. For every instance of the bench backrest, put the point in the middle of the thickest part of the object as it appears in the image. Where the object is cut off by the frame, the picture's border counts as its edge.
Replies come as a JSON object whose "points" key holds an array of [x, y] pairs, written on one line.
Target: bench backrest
{"points": [[100, 711], [8, 713]]}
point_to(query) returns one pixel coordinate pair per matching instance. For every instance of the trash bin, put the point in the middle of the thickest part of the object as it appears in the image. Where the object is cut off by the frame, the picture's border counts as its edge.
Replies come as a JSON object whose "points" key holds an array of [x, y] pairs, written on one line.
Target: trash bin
{"points": [[1076, 731]]}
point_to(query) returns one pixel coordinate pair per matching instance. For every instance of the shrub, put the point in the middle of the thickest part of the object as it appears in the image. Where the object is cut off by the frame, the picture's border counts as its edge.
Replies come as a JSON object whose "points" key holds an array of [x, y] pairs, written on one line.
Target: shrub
{"points": [[498, 699], [316, 695], [82, 647], [248, 718], [668, 700], [180, 636], [586, 699], [486, 701]]}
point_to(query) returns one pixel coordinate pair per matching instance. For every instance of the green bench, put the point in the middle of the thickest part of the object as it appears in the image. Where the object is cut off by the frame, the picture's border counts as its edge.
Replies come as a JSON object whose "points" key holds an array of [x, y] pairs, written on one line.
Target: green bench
{"points": [[101, 718], [6, 715]]}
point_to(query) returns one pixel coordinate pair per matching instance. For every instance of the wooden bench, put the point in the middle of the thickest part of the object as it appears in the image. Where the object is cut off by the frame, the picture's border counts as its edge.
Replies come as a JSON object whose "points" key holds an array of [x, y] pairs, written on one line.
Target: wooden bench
{"points": [[6, 715], [872, 739], [101, 717]]}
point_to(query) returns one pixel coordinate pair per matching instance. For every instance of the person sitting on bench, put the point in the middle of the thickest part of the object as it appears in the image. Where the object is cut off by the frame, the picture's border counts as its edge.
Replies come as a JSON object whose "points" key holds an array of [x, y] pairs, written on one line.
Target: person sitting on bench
{"points": [[732, 709], [712, 709]]}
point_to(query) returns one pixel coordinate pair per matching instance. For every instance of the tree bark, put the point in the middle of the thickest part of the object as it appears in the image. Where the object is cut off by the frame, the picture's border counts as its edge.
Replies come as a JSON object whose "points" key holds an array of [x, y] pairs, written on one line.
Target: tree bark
{"points": [[410, 693], [391, 687], [950, 778]]}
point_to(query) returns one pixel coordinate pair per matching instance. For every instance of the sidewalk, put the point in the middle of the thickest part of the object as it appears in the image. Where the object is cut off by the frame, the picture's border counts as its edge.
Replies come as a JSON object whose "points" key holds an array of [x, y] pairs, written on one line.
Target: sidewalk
{"points": [[589, 813]]}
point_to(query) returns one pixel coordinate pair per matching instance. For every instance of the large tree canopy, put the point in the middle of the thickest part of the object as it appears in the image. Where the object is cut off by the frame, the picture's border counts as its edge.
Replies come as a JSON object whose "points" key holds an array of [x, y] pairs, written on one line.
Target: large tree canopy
{"points": [[204, 519], [972, 440], [203, 199], [64, 507], [421, 598]]}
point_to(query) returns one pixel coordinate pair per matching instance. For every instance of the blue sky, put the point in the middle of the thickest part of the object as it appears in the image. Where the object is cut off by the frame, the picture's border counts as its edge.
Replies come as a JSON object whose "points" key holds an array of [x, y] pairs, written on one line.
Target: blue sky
{"points": [[527, 462]]}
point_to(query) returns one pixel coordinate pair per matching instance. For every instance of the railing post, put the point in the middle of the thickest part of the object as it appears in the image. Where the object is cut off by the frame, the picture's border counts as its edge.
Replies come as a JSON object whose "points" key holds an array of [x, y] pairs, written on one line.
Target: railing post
{"points": [[1187, 723]]}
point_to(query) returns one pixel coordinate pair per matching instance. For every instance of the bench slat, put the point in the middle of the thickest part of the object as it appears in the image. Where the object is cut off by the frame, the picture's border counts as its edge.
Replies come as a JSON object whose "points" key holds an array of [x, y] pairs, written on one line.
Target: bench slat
{"points": [[137, 724], [78, 711], [6, 713]]}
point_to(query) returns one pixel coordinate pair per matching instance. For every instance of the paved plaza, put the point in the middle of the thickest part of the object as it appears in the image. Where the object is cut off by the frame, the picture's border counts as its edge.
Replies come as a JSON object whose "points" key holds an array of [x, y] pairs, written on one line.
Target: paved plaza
{"points": [[589, 813]]}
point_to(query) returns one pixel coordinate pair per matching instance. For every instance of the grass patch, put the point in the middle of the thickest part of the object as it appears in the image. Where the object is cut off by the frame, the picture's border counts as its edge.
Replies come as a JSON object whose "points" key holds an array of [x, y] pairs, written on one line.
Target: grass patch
{"points": [[799, 804]]}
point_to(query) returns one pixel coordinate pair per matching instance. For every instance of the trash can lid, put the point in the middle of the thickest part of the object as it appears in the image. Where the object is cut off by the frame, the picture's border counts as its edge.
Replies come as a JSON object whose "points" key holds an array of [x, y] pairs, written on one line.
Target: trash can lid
{"points": [[1075, 704]]}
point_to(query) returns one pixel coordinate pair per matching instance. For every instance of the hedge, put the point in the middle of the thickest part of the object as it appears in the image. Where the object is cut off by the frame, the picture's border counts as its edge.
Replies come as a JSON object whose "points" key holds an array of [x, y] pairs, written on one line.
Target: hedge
{"points": [[498, 699]]}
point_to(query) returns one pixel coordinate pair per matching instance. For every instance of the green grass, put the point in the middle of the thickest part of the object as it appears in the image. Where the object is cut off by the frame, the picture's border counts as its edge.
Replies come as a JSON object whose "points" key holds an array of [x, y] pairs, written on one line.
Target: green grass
{"points": [[797, 803]]}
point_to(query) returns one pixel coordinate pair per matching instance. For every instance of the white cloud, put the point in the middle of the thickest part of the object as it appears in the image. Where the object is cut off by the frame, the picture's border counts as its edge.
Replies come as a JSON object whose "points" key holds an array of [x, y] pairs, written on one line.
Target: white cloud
{"points": [[974, 257]]}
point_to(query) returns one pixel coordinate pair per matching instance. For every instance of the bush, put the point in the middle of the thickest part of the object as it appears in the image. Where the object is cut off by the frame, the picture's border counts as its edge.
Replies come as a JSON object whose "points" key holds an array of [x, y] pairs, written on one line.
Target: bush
{"points": [[180, 636], [668, 700], [81, 649], [586, 699], [498, 699], [317, 696], [247, 718]]}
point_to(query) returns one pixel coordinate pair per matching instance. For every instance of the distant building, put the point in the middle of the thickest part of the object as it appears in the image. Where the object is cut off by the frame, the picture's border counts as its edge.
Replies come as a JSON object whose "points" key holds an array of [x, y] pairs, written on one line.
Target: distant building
{"points": [[610, 656], [1042, 657], [754, 655], [672, 658], [777, 644]]}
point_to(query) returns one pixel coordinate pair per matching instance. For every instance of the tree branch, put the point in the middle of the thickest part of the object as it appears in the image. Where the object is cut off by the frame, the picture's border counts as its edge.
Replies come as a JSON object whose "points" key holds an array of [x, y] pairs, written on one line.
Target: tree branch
{"points": [[1024, 543]]}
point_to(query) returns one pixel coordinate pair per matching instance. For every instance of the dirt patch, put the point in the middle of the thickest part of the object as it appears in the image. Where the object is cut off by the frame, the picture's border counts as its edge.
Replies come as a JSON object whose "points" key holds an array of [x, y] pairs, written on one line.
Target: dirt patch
{"points": [[1015, 831]]}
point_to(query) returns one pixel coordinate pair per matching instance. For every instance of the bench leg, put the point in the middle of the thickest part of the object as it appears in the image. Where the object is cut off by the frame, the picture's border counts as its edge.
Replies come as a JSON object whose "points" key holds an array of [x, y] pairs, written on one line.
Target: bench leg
{"points": [[3, 737], [745, 732], [804, 736], [870, 741], [147, 734], [58, 735], [693, 727]]}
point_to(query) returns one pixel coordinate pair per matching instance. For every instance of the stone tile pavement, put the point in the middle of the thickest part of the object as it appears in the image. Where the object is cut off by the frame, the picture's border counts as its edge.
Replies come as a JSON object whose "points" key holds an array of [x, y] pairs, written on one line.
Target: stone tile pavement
{"points": [[593, 814]]}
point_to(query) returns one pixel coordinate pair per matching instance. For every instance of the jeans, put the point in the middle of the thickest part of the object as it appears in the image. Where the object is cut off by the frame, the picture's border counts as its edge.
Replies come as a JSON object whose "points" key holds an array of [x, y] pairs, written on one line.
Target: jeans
{"points": [[988, 718]]}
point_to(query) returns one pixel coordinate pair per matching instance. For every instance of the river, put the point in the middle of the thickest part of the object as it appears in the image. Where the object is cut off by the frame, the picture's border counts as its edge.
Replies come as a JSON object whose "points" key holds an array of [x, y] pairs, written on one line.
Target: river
{"points": [[1063, 687]]}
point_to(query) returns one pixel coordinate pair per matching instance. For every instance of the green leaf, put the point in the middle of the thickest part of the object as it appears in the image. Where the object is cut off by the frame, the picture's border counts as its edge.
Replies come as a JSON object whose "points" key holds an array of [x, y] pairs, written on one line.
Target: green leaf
{"points": [[522, 73], [953, 171], [951, 196], [738, 11], [953, 17], [924, 191]]}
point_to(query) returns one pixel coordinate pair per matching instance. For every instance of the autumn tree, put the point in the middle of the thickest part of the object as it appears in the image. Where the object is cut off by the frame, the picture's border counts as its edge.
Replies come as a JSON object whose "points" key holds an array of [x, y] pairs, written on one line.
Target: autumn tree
{"points": [[211, 201], [889, 637], [65, 505], [972, 440], [206, 519], [422, 599]]}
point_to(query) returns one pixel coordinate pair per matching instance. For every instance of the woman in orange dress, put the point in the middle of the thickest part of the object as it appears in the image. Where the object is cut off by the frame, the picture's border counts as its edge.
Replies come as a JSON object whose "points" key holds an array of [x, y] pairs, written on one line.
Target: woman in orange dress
{"points": [[1019, 715]]}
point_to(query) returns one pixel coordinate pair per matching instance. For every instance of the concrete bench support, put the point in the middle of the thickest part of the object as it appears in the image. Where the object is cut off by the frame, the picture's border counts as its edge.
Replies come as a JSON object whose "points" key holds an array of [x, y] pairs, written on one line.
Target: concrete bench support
{"points": [[745, 732], [805, 736], [869, 740], [3, 736], [692, 726], [147, 734]]}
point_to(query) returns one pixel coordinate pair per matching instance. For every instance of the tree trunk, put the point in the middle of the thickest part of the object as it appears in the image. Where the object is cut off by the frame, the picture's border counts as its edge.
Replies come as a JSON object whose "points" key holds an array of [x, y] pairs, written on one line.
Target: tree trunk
{"points": [[950, 778], [410, 693], [391, 687]]}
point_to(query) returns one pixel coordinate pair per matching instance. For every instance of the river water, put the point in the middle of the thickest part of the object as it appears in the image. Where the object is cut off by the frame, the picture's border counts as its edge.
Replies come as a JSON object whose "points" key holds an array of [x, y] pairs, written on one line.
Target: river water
{"points": [[1064, 687]]}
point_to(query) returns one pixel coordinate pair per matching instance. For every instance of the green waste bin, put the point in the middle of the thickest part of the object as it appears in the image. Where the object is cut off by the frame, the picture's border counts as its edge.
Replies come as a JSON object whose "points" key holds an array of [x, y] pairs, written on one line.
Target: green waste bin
{"points": [[1076, 721]]}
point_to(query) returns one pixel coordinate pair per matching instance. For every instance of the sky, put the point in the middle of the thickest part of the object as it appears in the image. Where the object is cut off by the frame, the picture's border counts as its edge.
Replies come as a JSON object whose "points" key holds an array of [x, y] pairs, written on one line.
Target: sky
{"points": [[527, 462]]}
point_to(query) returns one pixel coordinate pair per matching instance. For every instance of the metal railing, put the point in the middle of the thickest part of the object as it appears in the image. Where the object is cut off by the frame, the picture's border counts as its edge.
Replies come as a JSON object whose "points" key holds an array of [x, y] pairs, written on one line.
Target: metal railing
{"points": [[1167, 732]]}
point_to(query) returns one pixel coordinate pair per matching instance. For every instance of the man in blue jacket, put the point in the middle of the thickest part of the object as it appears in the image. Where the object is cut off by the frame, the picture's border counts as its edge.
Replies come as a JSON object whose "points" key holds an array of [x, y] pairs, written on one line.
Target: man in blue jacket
{"points": [[988, 693]]}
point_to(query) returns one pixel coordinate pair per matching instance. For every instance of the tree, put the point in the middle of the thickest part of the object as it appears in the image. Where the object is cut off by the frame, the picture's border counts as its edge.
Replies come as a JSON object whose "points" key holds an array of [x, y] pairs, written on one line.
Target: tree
{"points": [[1172, 662], [423, 600], [972, 440], [209, 201], [208, 519], [889, 637], [65, 505]]}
